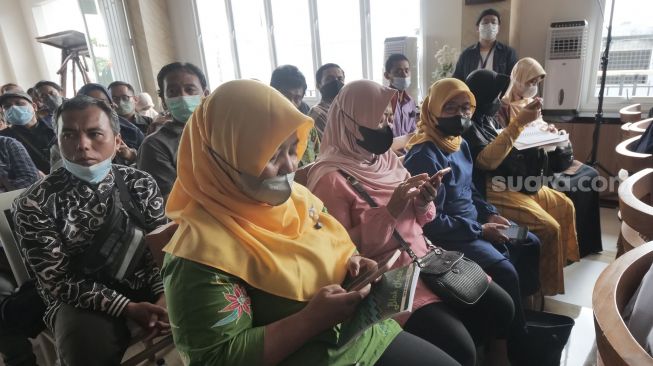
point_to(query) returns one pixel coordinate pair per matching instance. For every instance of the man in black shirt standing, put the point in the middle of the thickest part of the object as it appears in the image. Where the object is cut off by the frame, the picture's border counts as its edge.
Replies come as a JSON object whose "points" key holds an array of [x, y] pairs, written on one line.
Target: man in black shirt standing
{"points": [[487, 53]]}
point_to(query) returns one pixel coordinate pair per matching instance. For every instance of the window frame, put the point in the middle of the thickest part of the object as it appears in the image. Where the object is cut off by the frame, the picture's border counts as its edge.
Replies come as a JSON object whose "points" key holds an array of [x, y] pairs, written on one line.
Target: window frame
{"points": [[589, 103], [314, 24]]}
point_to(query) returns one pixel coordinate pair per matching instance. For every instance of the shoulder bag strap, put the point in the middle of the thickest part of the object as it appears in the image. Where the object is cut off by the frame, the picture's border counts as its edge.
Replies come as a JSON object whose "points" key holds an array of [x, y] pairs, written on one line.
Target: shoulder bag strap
{"points": [[126, 199], [370, 201]]}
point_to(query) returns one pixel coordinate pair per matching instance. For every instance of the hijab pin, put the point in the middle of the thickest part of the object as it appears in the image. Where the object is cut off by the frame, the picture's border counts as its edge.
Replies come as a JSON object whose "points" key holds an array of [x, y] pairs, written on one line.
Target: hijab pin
{"points": [[312, 213]]}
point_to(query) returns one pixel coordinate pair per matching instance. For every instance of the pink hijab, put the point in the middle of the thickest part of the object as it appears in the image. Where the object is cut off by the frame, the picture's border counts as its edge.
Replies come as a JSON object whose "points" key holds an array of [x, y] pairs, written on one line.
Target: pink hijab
{"points": [[362, 101]]}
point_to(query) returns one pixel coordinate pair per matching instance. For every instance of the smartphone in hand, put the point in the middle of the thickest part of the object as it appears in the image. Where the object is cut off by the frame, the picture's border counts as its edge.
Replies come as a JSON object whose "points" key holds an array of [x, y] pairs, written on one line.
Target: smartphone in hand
{"points": [[515, 232], [363, 279], [437, 177]]}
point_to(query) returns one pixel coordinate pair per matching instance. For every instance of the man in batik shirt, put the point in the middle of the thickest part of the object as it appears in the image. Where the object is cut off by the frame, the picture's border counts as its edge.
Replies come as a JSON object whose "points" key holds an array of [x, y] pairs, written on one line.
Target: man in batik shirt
{"points": [[57, 220]]}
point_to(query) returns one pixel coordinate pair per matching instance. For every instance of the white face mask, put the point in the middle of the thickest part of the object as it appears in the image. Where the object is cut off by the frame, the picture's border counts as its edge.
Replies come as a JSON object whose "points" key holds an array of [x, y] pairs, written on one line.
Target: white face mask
{"points": [[273, 191], [488, 31], [528, 91], [93, 174], [401, 83]]}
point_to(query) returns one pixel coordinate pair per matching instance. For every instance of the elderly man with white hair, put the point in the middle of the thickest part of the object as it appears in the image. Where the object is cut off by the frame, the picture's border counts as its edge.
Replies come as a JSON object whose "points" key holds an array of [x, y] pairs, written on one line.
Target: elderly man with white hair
{"points": [[145, 106]]}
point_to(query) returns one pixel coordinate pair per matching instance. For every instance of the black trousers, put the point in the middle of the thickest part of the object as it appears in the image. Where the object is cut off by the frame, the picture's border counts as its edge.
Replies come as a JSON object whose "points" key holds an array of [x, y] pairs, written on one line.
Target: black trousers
{"points": [[89, 338], [15, 347], [409, 350], [458, 331]]}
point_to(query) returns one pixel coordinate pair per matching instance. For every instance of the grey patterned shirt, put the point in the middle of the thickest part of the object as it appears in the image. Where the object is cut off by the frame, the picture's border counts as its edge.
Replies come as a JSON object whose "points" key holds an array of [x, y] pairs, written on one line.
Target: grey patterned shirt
{"points": [[56, 220]]}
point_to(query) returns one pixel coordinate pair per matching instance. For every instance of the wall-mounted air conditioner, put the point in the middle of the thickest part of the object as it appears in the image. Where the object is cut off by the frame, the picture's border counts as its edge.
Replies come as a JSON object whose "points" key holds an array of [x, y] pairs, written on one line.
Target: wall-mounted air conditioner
{"points": [[565, 57], [408, 47]]}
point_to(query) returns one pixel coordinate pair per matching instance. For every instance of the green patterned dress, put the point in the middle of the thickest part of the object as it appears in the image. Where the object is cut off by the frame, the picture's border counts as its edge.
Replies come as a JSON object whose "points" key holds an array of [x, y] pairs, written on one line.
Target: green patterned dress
{"points": [[218, 319]]}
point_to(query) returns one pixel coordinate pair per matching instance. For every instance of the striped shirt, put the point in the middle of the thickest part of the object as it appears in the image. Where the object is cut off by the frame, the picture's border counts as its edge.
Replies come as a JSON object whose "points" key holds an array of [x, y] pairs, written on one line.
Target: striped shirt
{"points": [[17, 170]]}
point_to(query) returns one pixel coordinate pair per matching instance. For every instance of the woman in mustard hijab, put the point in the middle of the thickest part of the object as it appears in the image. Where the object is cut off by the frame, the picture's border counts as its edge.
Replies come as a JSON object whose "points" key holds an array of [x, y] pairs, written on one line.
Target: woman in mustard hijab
{"points": [[252, 273], [552, 215], [464, 222]]}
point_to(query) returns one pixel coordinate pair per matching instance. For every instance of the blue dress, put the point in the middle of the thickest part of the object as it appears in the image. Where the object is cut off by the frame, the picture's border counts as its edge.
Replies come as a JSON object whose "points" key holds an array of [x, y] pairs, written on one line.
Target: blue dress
{"points": [[461, 211]]}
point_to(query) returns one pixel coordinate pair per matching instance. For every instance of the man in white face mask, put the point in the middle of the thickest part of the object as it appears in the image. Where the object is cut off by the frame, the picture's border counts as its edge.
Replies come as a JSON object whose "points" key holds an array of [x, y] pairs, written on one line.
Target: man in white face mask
{"points": [[488, 53], [67, 221], [397, 72]]}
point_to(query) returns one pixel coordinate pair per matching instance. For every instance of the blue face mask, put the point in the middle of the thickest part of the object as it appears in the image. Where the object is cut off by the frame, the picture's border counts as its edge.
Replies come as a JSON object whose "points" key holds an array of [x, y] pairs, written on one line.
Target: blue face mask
{"points": [[182, 107], [19, 115], [93, 174]]}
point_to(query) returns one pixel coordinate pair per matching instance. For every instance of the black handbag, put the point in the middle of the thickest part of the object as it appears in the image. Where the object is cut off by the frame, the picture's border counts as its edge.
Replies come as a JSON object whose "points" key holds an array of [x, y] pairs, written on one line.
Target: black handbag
{"points": [[119, 245], [561, 158], [546, 337], [454, 278]]}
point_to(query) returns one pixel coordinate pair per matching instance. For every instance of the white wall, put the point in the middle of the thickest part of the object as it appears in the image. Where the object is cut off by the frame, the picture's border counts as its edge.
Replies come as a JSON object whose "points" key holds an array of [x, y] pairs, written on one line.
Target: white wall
{"points": [[185, 35], [441, 21], [6, 70], [22, 61]]}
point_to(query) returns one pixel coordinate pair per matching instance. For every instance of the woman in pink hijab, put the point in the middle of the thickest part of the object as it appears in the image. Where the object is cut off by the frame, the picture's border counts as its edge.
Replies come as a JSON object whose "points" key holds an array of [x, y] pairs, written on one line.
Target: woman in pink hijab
{"points": [[356, 143]]}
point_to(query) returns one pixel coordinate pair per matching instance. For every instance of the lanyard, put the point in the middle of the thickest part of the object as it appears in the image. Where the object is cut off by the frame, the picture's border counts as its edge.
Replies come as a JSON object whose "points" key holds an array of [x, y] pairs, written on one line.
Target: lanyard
{"points": [[484, 62]]}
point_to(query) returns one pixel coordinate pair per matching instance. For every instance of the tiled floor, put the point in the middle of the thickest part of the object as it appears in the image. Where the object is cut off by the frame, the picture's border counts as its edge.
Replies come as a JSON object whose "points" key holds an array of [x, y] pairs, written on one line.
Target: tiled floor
{"points": [[576, 302]]}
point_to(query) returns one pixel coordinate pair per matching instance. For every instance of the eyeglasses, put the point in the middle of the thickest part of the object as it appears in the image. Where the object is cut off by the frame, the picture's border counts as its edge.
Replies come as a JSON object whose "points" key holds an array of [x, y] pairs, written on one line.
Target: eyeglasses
{"points": [[454, 109], [122, 98]]}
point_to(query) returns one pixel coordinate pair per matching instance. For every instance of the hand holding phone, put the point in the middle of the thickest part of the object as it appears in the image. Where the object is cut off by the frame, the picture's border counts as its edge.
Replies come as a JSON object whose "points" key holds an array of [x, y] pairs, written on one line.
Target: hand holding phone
{"points": [[371, 274], [436, 178], [516, 232]]}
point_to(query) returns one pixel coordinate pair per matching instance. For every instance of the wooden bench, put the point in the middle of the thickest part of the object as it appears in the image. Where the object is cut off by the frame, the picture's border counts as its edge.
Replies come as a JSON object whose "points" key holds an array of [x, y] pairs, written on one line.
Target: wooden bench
{"points": [[636, 210], [641, 126], [612, 291], [631, 113], [632, 161], [632, 129]]}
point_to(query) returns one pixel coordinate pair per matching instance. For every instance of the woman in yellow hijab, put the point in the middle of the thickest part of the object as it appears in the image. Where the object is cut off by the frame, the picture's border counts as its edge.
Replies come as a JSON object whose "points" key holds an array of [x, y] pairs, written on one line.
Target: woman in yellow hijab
{"points": [[252, 273], [550, 214], [526, 77], [464, 222]]}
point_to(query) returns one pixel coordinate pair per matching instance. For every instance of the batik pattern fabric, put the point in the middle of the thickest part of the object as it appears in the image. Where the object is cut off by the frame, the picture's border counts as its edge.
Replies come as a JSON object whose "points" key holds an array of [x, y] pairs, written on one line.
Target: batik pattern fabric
{"points": [[57, 219], [312, 148], [219, 319]]}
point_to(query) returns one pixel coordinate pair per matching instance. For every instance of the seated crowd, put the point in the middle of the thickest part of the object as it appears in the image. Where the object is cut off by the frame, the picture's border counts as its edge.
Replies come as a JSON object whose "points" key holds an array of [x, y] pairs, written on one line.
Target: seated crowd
{"points": [[253, 273]]}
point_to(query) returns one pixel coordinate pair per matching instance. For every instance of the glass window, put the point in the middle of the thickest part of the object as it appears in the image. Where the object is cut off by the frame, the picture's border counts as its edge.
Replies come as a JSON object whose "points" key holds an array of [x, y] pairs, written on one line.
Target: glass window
{"points": [[292, 38], [252, 39], [390, 21], [630, 62], [54, 17], [340, 35], [216, 42]]}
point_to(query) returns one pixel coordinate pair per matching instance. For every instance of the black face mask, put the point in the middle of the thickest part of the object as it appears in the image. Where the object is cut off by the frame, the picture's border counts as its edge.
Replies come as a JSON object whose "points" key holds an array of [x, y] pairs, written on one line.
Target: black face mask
{"points": [[52, 102], [376, 141], [331, 89], [454, 126], [489, 109]]}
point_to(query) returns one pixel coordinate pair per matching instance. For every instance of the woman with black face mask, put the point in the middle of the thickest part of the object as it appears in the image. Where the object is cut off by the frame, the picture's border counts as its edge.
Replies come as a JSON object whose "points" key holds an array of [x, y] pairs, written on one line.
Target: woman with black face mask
{"points": [[356, 146], [464, 221]]}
